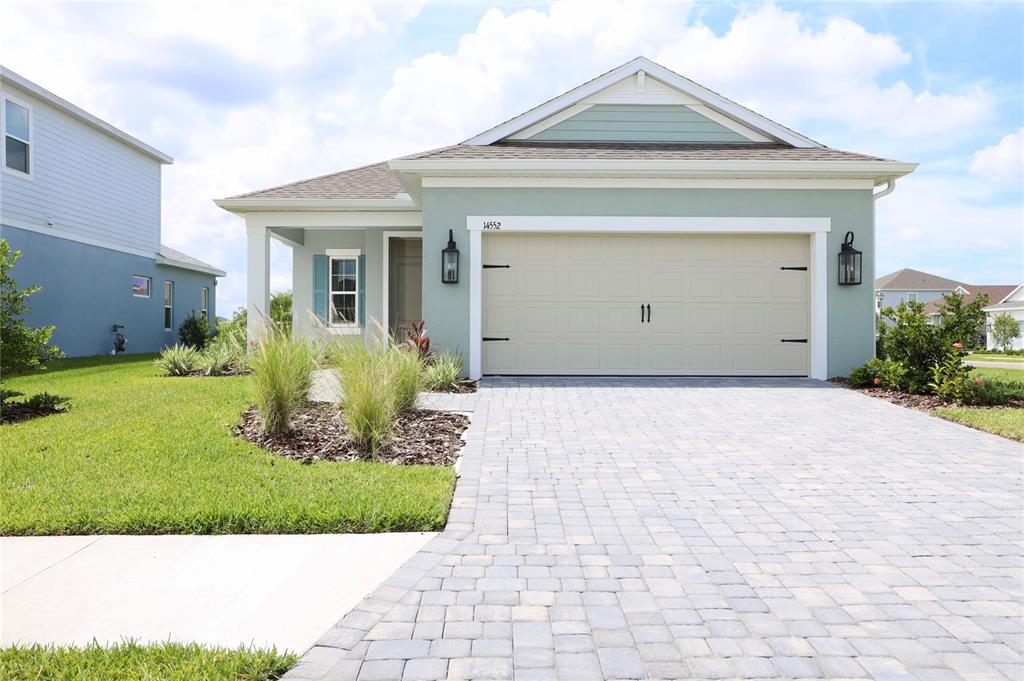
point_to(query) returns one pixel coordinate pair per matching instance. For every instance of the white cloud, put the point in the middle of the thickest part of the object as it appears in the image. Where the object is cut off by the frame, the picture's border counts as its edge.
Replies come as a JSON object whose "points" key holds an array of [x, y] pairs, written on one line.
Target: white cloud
{"points": [[1002, 162]]}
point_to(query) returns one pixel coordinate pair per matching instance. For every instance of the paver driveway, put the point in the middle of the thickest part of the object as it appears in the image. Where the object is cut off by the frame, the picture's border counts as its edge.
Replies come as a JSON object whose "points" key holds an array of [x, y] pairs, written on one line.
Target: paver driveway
{"points": [[671, 528]]}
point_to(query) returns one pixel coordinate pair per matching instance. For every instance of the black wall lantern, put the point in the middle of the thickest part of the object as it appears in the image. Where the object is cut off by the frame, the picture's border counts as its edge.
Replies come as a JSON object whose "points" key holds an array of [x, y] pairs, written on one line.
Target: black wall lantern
{"points": [[849, 263], [450, 262]]}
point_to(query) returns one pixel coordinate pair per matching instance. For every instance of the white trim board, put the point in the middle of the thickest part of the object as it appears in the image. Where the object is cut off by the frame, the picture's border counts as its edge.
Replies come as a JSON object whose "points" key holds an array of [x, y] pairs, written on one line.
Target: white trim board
{"points": [[647, 183], [386, 269], [816, 228], [650, 224]]}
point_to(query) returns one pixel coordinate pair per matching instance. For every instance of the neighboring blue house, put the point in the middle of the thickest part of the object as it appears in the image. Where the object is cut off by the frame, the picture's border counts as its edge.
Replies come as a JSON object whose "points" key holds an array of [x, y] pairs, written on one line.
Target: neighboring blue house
{"points": [[81, 200]]}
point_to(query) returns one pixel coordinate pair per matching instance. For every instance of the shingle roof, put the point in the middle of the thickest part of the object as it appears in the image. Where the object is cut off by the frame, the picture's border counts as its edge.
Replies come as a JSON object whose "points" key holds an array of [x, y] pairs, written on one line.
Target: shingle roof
{"points": [[187, 261], [375, 181], [995, 294], [915, 280], [640, 151]]}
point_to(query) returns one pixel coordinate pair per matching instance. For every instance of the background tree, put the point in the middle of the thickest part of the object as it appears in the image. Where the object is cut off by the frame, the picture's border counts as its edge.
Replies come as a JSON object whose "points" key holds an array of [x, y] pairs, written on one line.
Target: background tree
{"points": [[21, 346], [1005, 330], [962, 323]]}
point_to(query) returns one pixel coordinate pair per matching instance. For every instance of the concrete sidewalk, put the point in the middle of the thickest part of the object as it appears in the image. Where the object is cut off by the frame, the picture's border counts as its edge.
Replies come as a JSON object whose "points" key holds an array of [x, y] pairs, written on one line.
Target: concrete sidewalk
{"points": [[268, 590]]}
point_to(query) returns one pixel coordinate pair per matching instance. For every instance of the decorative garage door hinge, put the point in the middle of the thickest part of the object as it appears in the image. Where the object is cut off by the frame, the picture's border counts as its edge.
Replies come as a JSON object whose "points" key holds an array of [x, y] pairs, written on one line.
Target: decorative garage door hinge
{"points": [[491, 338], [802, 269], [497, 267], [792, 340]]}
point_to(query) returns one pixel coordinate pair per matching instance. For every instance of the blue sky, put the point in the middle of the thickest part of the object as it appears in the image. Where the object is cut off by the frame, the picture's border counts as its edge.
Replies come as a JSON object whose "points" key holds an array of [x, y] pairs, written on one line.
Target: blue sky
{"points": [[249, 95]]}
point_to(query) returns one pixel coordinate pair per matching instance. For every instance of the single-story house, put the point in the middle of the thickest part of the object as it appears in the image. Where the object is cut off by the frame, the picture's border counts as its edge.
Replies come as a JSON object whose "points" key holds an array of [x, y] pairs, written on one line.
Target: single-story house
{"points": [[1012, 304], [638, 224]]}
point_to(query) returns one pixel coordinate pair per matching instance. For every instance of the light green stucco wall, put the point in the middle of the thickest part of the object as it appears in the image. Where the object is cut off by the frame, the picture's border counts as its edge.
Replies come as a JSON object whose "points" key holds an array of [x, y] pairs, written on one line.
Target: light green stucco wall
{"points": [[316, 241], [638, 123], [850, 309]]}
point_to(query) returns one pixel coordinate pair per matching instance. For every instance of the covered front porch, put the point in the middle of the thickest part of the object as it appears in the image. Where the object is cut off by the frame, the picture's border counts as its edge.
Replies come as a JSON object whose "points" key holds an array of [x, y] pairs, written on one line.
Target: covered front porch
{"points": [[350, 271]]}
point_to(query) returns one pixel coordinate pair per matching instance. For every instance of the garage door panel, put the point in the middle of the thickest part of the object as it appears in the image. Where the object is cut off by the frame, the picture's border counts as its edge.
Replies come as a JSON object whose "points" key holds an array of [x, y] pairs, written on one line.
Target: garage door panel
{"points": [[570, 304]]}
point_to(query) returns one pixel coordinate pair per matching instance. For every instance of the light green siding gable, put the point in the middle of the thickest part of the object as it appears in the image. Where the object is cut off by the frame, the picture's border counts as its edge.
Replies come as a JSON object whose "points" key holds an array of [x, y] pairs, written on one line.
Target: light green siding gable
{"points": [[638, 123]]}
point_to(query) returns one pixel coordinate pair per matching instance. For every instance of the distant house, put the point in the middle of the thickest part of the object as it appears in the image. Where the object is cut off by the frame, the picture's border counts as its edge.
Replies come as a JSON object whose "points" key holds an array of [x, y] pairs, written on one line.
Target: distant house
{"points": [[908, 285], [1012, 304], [81, 200]]}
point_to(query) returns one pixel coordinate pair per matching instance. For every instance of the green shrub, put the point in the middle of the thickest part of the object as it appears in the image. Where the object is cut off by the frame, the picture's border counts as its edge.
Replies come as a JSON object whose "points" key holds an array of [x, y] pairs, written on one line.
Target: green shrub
{"points": [[194, 331], [442, 372], [960, 323], [46, 400], [377, 387], [21, 346], [282, 369], [912, 341], [178, 360], [880, 373], [950, 376], [229, 344], [990, 392]]}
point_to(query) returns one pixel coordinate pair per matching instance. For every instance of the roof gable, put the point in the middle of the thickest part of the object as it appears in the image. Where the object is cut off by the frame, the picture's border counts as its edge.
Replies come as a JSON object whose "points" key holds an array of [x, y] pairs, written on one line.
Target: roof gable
{"points": [[638, 123], [642, 82]]}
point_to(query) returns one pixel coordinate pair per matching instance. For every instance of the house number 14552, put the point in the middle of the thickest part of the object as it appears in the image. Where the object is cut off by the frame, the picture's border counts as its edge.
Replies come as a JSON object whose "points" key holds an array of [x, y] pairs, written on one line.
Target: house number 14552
{"points": [[492, 224]]}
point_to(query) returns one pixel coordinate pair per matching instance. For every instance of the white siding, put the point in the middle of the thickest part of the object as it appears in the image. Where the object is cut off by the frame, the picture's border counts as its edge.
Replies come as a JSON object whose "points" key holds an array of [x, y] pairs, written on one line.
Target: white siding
{"points": [[87, 182]]}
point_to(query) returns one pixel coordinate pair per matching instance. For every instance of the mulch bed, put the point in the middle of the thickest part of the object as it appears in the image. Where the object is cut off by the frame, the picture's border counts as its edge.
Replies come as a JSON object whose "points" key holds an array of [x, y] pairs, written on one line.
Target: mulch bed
{"points": [[422, 436], [923, 403], [12, 412]]}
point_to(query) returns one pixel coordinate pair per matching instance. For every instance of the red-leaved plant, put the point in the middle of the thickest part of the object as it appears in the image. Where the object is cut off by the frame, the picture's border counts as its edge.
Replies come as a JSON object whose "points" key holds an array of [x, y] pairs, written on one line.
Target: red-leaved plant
{"points": [[416, 338]]}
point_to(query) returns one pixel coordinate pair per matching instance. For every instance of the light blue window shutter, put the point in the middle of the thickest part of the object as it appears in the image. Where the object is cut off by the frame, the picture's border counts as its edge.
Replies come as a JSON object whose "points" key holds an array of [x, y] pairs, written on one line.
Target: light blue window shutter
{"points": [[361, 290], [321, 281]]}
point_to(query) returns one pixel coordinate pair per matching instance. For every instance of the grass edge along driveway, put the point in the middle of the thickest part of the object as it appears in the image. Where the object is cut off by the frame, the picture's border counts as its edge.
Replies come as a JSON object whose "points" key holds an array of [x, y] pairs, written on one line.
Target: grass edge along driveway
{"points": [[144, 454], [130, 660]]}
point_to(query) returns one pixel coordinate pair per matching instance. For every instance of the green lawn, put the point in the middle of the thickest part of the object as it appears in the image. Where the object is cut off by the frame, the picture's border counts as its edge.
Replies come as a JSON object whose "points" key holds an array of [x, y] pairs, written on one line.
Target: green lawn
{"points": [[983, 357], [1012, 375], [135, 662], [1001, 421], [142, 454]]}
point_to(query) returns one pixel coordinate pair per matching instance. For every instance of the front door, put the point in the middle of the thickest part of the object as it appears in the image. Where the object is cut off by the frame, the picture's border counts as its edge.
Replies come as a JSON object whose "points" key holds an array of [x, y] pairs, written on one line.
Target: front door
{"points": [[405, 281]]}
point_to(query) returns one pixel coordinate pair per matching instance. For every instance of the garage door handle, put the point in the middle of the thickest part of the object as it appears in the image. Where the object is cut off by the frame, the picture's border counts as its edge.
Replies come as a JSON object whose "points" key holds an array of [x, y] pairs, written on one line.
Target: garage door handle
{"points": [[490, 338], [792, 340], [648, 313], [801, 269], [641, 313]]}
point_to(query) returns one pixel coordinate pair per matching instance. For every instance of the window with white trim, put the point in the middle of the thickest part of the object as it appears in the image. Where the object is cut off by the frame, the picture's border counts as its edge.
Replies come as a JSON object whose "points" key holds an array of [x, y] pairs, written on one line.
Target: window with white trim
{"points": [[912, 297], [204, 302], [344, 290], [141, 286], [168, 305], [17, 136]]}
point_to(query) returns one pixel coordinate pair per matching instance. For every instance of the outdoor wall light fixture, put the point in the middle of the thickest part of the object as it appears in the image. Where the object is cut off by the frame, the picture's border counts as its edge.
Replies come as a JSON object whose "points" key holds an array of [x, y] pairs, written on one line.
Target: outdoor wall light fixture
{"points": [[450, 262], [849, 263]]}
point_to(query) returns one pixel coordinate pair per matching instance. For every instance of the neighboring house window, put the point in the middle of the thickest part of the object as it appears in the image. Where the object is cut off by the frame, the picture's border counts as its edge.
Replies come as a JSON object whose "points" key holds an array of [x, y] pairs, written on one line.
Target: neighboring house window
{"points": [[141, 286], [168, 305], [344, 291], [204, 302], [912, 297], [17, 136]]}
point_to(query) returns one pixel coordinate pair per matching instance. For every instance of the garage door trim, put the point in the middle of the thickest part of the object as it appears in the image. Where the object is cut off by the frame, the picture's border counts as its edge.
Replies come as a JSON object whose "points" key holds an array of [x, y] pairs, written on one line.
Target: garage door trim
{"points": [[817, 228]]}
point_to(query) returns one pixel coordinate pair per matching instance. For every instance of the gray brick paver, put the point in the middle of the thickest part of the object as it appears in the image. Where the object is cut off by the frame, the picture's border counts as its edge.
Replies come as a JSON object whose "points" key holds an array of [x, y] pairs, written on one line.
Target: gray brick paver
{"points": [[703, 528]]}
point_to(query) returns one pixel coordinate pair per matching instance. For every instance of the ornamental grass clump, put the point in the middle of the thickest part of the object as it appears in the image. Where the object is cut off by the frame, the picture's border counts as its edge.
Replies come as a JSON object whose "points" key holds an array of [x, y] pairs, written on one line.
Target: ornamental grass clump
{"points": [[178, 360], [443, 372], [282, 367], [378, 385]]}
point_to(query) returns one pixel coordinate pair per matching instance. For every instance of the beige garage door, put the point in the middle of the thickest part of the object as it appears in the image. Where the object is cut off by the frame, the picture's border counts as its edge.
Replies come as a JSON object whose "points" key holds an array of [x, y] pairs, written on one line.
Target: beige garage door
{"points": [[645, 304]]}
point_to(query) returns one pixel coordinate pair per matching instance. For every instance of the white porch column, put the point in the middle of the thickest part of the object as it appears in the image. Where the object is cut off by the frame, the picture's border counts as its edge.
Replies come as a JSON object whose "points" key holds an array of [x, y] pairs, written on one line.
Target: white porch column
{"points": [[257, 282]]}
